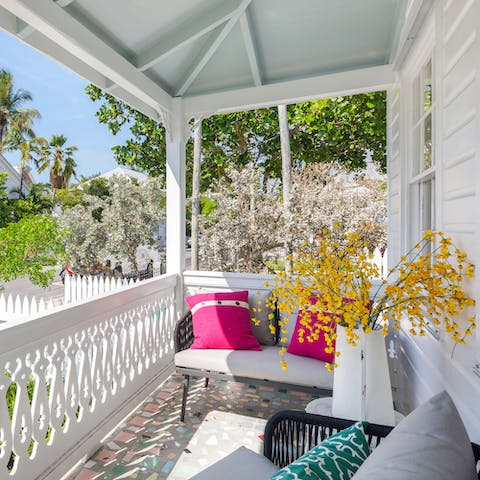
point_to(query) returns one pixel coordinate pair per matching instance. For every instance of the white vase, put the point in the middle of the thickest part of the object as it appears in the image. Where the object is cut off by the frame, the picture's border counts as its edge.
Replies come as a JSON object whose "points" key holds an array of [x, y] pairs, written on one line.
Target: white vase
{"points": [[361, 381]]}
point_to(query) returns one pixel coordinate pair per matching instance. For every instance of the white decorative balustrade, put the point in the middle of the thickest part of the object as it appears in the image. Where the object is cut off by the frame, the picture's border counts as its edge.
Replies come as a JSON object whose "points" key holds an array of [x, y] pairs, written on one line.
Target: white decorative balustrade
{"points": [[68, 377]]}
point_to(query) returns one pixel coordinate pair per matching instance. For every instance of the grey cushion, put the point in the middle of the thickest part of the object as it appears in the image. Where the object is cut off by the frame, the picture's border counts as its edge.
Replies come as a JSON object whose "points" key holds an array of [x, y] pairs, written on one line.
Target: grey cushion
{"points": [[430, 443], [264, 364], [241, 464]]}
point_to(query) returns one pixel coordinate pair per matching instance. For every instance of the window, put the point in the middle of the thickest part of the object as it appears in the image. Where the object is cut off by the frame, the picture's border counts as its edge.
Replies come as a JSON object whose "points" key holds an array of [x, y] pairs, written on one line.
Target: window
{"points": [[422, 172], [422, 176]]}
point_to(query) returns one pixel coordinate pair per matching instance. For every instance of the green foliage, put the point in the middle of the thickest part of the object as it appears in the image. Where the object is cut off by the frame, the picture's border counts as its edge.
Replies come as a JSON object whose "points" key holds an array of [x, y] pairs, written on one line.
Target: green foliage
{"points": [[341, 130], [58, 159], [15, 120], [29, 247], [146, 148], [69, 197], [5, 207], [208, 205], [39, 200], [98, 186]]}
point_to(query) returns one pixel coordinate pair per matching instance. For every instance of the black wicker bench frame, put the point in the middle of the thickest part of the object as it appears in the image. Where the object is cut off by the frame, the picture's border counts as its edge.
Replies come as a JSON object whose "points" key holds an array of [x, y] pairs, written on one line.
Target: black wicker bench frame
{"points": [[289, 434], [183, 341]]}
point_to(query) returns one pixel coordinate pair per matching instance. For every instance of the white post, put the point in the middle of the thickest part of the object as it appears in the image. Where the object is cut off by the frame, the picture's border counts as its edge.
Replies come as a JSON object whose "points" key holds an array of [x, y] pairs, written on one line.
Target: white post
{"points": [[197, 155], [286, 182], [176, 139]]}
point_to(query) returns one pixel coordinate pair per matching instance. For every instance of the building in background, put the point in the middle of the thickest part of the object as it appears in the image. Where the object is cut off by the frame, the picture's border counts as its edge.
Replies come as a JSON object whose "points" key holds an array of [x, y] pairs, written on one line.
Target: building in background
{"points": [[14, 178]]}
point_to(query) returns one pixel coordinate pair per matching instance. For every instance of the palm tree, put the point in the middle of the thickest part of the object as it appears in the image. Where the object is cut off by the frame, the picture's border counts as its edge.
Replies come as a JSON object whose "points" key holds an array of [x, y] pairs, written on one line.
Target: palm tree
{"points": [[30, 150], [12, 115], [59, 160]]}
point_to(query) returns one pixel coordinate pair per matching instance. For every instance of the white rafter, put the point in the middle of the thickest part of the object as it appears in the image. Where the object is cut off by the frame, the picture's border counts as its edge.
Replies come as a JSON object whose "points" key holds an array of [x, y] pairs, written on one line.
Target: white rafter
{"points": [[414, 16], [25, 30], [294, 91], [185, 35], [58, 26], [248, 39], [212, 47], [63, 3]]}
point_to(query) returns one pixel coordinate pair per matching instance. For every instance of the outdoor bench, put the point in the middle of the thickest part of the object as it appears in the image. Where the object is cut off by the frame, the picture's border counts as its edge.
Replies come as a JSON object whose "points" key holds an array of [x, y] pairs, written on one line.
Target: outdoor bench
{"points": [[290, 434], [246, 366]]}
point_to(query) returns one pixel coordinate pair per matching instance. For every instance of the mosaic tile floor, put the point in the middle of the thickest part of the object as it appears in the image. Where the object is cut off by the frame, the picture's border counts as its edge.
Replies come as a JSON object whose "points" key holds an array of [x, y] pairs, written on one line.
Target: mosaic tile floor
{"points": [[153, 444]]}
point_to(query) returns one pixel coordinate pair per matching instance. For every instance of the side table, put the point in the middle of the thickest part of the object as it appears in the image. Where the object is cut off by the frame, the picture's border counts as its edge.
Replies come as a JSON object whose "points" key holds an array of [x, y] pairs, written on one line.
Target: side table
{"points": [[323, 406]]}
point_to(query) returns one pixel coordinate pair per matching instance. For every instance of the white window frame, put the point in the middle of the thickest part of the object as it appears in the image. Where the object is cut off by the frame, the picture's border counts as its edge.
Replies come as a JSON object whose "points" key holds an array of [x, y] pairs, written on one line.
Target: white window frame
{"points": [[421, 181]]}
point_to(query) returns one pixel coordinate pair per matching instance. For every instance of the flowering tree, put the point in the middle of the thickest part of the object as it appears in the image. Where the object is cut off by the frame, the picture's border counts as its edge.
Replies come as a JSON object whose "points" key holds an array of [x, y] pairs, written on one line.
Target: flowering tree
{"points": [[327, 195], [115, 225], [247, 226], [87, 235], [244, 225]]}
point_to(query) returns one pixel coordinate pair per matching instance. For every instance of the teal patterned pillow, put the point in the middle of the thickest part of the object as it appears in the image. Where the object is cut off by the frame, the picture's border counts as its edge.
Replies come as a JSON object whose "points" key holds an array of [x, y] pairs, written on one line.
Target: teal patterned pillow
{"points": [[336, 458]]}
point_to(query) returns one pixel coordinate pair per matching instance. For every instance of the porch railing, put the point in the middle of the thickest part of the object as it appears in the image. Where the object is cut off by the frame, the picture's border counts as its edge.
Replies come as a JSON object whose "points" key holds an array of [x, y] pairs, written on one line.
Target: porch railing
{"points": [[68, 377]]}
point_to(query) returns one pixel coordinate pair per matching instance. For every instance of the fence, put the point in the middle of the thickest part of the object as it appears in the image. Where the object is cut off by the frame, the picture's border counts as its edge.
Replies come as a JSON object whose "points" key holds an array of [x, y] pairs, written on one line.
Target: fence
{"points": [[78, 287], [16, 306]]}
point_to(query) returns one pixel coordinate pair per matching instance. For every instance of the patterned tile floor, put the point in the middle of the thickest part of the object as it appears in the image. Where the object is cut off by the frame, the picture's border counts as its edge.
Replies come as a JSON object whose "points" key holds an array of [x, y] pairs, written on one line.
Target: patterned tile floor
{"points": [[153, 444]]}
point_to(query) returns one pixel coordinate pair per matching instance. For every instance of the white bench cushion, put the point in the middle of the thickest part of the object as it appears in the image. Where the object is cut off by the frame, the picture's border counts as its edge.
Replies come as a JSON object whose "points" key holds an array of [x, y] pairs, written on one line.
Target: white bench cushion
{"points": [[262, 365], [241, 464]]}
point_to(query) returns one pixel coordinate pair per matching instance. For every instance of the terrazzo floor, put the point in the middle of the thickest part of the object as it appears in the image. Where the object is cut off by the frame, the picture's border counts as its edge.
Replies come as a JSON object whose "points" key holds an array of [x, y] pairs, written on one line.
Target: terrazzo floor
{"points": [[153, 444]]}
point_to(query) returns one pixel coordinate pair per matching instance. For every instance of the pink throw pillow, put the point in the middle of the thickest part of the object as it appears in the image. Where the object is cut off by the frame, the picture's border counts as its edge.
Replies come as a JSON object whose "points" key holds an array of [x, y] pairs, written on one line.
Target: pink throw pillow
{"points": [[315, 349], [221, 320]]}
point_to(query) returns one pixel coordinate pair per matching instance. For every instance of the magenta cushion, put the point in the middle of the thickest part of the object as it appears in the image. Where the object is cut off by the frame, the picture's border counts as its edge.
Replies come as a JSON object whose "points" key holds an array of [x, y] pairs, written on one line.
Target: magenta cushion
{"points": [[221, 320], [314, 349]]}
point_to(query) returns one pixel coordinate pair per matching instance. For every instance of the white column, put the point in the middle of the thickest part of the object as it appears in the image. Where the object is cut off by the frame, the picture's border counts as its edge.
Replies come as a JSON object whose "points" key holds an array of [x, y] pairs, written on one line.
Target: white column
{"points": [[176, 138]]}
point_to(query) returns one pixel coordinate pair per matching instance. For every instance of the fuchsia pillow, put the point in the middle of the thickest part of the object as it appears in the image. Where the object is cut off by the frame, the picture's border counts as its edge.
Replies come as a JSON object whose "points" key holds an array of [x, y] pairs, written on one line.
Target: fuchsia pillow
{"points": [[221, 320], [315, 349]]}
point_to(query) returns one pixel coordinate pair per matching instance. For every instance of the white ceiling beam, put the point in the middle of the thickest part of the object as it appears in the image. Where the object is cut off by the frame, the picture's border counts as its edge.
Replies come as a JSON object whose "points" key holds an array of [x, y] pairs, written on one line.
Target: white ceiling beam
{"points": [[294, 91], [44, 45], [211, 48], [414, 16], [63, 3], [248, 39], [25, 30], [56, 24], [184, 35]]}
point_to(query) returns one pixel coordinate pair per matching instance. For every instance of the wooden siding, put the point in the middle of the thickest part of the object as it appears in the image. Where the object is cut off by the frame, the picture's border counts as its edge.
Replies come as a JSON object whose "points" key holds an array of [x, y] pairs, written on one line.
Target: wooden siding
{"points": [[426, 365]]}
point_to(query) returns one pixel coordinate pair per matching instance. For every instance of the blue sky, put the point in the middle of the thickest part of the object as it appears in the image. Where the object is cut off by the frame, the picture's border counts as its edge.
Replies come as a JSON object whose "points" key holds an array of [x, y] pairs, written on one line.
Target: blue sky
{"points": [[59, 95]]}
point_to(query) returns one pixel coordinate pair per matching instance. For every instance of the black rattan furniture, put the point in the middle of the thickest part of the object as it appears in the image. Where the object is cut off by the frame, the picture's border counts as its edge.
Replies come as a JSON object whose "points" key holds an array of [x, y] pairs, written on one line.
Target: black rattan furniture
{"points": [[289, 434], [183, 341]]}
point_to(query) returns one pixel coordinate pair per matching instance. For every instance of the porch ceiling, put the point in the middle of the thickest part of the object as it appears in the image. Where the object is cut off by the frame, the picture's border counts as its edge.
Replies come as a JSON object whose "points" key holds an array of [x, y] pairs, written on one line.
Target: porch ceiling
{"points": [[218, 54]]}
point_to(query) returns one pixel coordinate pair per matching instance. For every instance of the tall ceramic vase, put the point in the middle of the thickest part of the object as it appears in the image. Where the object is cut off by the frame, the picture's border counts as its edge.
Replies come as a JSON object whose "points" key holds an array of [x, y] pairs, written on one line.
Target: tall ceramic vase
{"points": [[361, 382]]}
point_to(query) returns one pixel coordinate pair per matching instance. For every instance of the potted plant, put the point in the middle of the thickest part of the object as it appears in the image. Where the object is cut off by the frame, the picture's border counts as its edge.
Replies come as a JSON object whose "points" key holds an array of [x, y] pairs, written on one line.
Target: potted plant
{"points": [[331, 281]]}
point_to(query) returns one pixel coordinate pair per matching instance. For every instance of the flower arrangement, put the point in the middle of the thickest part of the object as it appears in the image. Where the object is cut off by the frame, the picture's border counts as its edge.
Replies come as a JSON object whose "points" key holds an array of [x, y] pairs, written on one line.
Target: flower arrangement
{"points": [[425, 286]]}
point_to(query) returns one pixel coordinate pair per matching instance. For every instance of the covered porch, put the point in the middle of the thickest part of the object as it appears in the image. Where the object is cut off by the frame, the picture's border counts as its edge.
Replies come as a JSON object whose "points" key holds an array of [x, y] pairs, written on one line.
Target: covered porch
{"points": [[91, 365]]}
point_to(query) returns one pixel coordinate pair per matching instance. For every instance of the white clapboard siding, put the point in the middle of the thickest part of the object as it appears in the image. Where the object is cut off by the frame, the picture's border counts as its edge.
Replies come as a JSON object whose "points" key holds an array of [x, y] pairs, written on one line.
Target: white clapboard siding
{"points": [[427, 363], [394, 172]]}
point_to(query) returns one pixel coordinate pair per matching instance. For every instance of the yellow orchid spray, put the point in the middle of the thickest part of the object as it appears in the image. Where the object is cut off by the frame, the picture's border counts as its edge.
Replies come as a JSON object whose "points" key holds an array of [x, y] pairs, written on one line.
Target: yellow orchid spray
{"points": [[425, 286]]}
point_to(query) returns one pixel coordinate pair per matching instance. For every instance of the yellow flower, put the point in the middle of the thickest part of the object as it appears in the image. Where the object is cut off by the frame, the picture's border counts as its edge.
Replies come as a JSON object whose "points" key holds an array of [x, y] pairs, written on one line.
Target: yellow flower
{"points": [[426, 282]]}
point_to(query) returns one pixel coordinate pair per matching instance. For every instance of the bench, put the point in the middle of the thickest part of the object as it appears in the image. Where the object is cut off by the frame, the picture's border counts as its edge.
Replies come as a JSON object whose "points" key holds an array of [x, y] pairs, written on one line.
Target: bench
{"points": [[429, 443], [247, 366]]}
